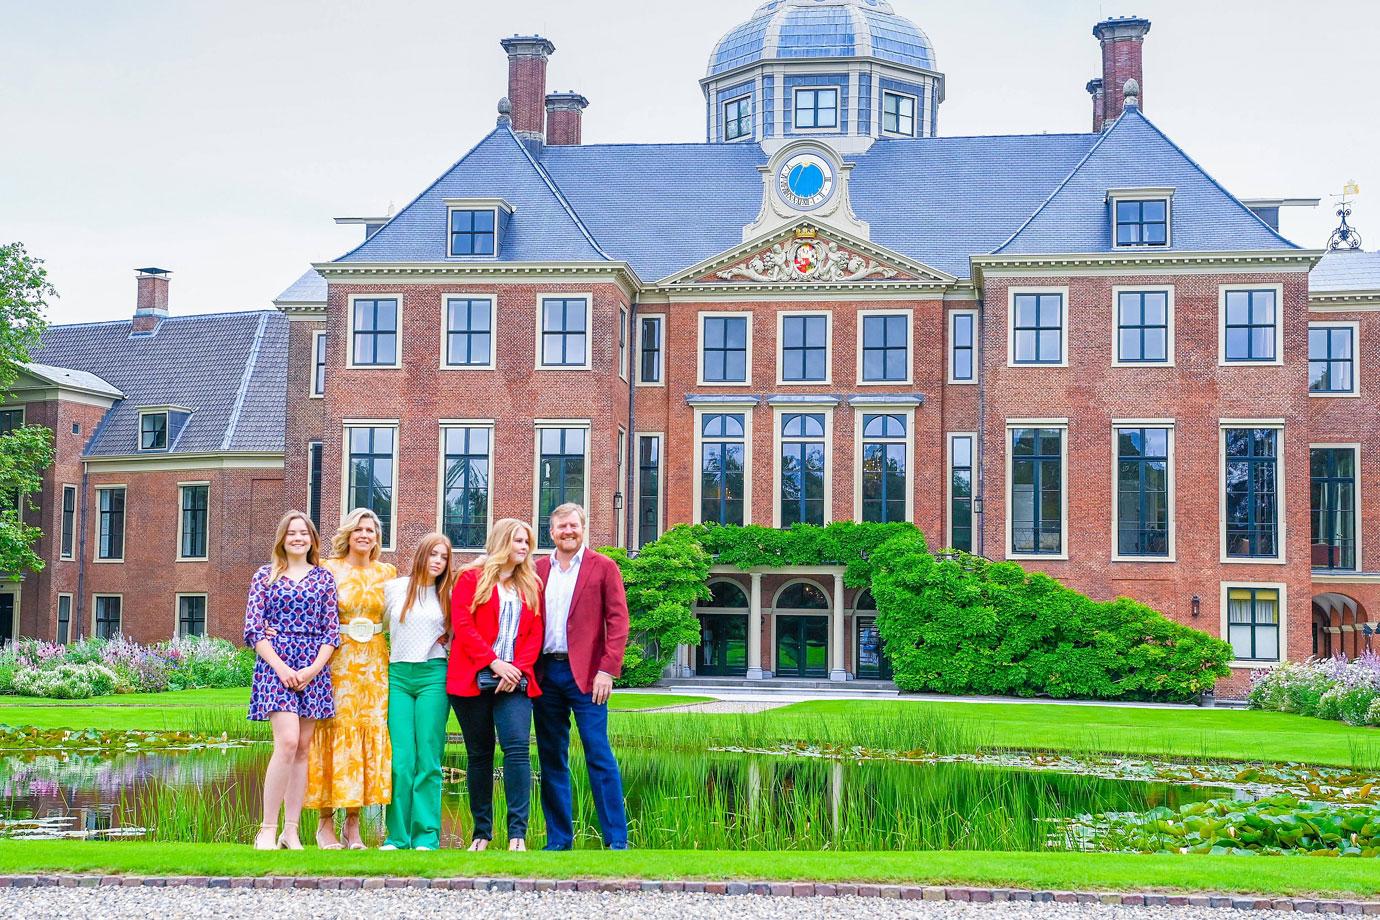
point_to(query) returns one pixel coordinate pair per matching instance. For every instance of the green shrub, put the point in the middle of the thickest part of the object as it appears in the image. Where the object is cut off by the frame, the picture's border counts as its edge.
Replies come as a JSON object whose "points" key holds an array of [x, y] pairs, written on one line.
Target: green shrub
{"points": [[1291, 687], [663, 582], [7, 677], [68, 681]]}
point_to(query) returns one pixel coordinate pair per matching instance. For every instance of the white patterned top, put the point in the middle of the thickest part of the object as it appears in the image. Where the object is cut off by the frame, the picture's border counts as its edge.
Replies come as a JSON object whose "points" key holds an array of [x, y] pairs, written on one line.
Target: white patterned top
{"points": [[414, 640]]}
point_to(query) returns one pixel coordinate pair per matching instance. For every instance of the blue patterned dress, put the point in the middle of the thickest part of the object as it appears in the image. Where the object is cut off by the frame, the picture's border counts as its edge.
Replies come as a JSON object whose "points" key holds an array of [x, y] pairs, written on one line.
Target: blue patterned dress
{"points": [[304, 614]]}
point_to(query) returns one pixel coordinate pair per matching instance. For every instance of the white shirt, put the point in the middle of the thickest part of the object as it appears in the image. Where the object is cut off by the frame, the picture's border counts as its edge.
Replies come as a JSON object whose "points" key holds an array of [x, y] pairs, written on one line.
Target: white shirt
{"points": [[413, 640], [560, 590]]}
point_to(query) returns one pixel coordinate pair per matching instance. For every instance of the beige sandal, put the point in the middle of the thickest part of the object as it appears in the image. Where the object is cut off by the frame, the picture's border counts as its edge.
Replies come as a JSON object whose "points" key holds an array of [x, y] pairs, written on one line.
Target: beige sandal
{"points": [[268, 829]]}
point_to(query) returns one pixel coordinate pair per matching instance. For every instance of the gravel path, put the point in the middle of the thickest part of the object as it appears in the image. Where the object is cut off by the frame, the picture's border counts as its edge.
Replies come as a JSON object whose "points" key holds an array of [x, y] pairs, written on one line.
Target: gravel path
{"points": [[403, 904]]}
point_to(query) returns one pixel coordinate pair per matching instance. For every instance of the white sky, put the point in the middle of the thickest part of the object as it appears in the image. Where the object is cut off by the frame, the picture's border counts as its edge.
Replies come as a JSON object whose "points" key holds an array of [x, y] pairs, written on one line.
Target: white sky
{"points": [[219, 139]]}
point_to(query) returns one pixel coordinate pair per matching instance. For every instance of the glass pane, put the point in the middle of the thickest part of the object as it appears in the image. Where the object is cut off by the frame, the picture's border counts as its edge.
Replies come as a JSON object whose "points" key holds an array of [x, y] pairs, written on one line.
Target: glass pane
{"points": [[1238, 308]]}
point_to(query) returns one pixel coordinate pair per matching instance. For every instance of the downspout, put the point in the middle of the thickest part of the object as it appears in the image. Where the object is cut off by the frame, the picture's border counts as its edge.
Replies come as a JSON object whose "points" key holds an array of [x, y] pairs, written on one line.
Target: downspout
{"points": [[981, 439], [631, 446]]}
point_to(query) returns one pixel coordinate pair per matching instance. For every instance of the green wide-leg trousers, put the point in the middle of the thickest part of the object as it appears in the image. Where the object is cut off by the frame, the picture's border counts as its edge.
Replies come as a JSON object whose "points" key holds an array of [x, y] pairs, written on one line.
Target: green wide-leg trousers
{"points": [[418, 708]]}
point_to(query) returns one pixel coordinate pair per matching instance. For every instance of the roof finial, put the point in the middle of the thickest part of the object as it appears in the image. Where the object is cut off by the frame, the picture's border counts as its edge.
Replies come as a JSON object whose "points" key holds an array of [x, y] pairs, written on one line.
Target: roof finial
{"points": [[1132, 94], [505, 111], [1345, 236]]}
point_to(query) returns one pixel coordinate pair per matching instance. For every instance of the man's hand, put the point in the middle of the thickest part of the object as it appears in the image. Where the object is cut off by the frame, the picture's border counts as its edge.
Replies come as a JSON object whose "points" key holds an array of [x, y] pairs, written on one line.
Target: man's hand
{"points": [[603, 686]]}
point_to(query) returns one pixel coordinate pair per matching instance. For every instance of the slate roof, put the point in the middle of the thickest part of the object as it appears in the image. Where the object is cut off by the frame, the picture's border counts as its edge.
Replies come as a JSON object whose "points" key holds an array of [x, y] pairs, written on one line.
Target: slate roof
{"points": [[79, 380], [310, 288], [794, 29], [1346, 270], [230, 369]]}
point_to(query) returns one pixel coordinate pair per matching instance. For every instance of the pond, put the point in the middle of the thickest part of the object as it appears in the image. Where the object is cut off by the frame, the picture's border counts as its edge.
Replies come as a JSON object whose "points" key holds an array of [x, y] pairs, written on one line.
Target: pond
{"points": [[707, 800]]}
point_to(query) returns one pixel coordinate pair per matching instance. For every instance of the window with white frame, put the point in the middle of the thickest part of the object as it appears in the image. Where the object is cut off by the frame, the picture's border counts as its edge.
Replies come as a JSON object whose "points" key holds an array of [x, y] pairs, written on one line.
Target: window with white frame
{"points": [[1332, 480], [623, 343], [195, 521], [738, 118], [318, 364], [885, 348], [1142, 491], [564, 332], [1037, 491], [561, 473], [648, 488], [1253, 620], [817, 107], [1142, 327], [11, 419], [963, 346], [962, 462], [883, 473], [69, 521], [804, 348], [314, 473], [191, 615], [724, 352], [898, 114], [1332, 359], [371, 465], [374, 332], [1037, 328], [465, 463], [110, 526], [723, 468], [650, 349], [1251, 490], [153, 431], [473, 231], [64, 619], [1251, 326], [107, 608], [802, 468], [1141, 222], [469, 332]]}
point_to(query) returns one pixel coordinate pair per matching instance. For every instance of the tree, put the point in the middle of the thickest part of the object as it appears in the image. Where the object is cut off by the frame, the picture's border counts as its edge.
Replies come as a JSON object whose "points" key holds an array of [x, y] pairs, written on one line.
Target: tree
{"points": [[26, 451], [663, 581]]}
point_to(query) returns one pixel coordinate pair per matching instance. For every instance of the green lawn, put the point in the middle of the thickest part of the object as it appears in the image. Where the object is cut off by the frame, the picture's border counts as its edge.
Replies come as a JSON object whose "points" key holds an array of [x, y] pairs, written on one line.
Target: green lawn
{"points": [[1056, 871]]}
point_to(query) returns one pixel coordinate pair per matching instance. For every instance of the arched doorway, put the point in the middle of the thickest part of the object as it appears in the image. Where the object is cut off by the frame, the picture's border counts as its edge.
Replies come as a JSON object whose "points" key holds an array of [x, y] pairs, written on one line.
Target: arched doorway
{"points": [[1341, 627], [872, 661], [722, 651], [801, 616]]}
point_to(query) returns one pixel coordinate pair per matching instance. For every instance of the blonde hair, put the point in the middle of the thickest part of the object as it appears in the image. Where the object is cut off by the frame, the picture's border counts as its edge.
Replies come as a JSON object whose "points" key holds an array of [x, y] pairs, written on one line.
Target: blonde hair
{"points": [[340, 543], [421, 578], [279, 563], [496, 555], [569, 508]]}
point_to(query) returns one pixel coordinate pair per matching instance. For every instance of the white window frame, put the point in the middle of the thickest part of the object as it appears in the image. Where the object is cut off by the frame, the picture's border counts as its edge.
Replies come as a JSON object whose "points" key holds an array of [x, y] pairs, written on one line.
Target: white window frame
{"points": [[1117, 291], [838, 124], [863, 316], [781, 318], [69, 553], [699, 349], [350, 333], [96, 597], [588, 298], [96, 524], [908, 412], [72, 613], [346, 426], [636, 535], [1172, 536], [949, 487], [167, 431], [479, 205], [1355, 448], [752, 120], [697, 490], [318, 337], [180, 487], [977, 346], [177, 611], [624, 336], [1283, 590], [777, 414], [1064, 318], [914, 113], [660, 319], [1355, 328], [447, 425], [1164, 194], [1281, 465], [1061, 423], [446, 298], [538, 426], [1222, 291]]}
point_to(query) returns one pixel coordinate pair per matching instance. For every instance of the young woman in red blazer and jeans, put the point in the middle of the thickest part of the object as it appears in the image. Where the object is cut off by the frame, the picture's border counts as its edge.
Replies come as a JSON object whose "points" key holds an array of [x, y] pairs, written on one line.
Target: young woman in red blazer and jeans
{"points": [[496, 620]]}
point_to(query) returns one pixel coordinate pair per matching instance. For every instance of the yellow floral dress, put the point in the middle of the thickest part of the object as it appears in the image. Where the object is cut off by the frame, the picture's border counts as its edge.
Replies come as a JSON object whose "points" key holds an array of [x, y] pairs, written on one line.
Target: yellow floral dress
{"points": [[351, 760]]}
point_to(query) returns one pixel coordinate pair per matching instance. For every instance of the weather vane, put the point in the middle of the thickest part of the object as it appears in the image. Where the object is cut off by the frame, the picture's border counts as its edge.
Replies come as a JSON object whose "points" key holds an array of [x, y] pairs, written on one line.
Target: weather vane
{"points": [[1345, 237]]}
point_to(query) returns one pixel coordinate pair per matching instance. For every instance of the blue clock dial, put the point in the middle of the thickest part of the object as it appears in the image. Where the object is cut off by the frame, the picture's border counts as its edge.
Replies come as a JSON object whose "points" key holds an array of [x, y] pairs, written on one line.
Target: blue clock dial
{"points": [[806, 180]]}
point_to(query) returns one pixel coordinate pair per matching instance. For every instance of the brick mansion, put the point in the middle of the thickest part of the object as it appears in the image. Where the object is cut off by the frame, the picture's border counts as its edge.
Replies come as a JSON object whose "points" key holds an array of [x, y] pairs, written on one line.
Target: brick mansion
{"points": [[1076, 351]]}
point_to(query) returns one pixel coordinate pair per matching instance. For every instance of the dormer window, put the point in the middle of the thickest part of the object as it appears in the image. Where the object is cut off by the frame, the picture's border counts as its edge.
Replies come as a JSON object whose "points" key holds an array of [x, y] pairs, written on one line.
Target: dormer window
{"points": [[1140, 217], [738, 118], [898, 114], [817, 108], [153, 431], [474, 227]]}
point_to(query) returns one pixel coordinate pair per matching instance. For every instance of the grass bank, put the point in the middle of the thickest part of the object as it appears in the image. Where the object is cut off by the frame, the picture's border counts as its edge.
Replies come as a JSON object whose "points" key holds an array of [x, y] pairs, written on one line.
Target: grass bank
{"points": [[1057, 871]]}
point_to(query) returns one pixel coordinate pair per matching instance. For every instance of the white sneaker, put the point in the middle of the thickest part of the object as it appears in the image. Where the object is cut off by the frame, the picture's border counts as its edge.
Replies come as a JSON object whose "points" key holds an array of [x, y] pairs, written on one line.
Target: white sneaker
{"points": [[388, 846], [423, 849]]}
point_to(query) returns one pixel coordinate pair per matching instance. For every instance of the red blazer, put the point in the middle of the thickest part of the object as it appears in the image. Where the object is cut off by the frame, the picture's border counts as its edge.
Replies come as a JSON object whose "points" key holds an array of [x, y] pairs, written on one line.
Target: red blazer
{"points": [[596, 630], [471, 649]]}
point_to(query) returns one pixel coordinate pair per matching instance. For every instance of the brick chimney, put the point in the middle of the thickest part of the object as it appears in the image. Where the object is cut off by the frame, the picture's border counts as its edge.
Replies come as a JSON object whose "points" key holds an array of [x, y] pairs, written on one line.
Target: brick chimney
{"points": [[527, 56], [1121, 39], [1095, 91], [151, 307], [564, 113]]}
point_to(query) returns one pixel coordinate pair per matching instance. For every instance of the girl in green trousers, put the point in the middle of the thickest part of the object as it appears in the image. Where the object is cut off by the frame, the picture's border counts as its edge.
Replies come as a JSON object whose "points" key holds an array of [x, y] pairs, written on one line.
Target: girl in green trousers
{"points": [[418, 620]]}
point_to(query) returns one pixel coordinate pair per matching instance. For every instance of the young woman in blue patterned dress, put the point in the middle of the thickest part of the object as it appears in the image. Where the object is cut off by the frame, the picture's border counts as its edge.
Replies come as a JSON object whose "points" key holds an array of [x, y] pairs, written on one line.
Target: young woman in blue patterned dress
{"points": [[294, 599]]}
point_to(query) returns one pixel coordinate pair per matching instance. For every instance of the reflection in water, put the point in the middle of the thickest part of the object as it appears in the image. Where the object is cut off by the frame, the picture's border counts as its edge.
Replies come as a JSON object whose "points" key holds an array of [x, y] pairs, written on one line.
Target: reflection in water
{"points": [[709, 801]]}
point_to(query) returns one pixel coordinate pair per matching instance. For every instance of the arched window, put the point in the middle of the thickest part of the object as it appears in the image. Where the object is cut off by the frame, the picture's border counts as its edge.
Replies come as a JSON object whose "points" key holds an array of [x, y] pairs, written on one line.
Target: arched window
{"points": [[725, 595], [865, 601], [802, 595]]}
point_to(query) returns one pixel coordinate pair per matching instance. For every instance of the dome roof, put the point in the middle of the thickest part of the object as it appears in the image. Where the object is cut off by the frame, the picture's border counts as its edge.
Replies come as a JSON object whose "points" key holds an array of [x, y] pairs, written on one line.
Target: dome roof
{"points": [[796, 29]]}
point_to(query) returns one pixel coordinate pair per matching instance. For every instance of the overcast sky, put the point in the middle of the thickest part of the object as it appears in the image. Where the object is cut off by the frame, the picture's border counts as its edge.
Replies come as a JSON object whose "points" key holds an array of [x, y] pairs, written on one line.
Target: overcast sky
{"points": [[219, 139]]}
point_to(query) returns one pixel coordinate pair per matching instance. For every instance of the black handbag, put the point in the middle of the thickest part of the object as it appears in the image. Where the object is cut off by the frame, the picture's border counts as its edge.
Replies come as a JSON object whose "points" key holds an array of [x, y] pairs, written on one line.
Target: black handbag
{"points": [[488, 680]]}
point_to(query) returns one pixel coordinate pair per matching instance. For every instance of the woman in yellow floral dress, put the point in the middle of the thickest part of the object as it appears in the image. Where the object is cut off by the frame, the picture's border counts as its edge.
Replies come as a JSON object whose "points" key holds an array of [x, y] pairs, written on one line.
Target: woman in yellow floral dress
{"points": [[351, 759]]}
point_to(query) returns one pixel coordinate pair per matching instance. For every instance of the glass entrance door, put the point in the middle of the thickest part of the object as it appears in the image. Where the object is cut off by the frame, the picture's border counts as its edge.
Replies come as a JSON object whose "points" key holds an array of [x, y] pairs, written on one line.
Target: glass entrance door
{"points": [[872, 661], [723, 645], [8, 627], [802, 646]]}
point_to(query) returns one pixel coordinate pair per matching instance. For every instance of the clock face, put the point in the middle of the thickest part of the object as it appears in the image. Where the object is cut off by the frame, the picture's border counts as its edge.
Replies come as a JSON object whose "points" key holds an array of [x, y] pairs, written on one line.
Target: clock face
{"points": [[805, 181]]}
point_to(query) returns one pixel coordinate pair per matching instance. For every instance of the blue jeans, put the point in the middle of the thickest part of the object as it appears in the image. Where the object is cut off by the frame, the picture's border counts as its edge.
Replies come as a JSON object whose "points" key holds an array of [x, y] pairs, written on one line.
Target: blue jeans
{"points": [[509, 715], [560, 698]]}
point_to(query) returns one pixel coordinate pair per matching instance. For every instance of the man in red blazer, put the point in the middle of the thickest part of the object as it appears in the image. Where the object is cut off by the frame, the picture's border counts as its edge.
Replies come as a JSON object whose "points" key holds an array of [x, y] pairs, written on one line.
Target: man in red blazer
{"points": [[586, 632]]}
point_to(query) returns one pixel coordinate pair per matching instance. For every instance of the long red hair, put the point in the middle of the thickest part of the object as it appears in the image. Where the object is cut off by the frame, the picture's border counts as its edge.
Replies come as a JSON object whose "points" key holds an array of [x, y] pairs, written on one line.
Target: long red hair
{"points": [[420, 578]]}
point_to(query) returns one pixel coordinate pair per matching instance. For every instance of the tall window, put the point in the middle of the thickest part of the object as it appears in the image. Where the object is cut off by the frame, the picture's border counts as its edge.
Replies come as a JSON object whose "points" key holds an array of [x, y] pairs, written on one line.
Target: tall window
{"points": [[1333, 474], [10, 419], [465, 513], [1037, 491], [723, 465], [802, 469], [1331, 359], [1142, 483], [318, 364], [1251, 326], [370, 483], [963, 346], [737, 118], [885, 349], [1038, 329], [817, 108], [314, 483], [1253, 623], [69, 520], [153, 431], [1142, 321], [1142, 223], [472, 232], [648, 489], [564, 332], [725, 349], [110, 542], [898, 114], [562, 473], [191, 614], [622, 343], [64, 619], [804, 348], [649, 367], [375, 333], [1252, 497], [469, 332], [961, 492], [884, 468], [108, 615], [194, 521]]}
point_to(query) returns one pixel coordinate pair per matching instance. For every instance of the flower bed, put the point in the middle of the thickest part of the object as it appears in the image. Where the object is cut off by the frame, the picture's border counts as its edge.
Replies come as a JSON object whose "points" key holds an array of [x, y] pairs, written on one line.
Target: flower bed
{"points": [[1333, 688], [98, 667]]}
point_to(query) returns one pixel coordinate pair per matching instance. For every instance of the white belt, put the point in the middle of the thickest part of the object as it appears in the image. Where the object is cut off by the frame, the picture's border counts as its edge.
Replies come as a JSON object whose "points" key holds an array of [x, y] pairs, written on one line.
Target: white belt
{"points": [[361, 629]]}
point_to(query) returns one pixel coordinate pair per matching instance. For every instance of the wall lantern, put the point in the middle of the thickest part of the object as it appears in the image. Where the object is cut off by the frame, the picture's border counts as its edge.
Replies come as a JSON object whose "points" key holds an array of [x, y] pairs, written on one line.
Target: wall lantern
{"points": [[617, 501], [1197, 606]]}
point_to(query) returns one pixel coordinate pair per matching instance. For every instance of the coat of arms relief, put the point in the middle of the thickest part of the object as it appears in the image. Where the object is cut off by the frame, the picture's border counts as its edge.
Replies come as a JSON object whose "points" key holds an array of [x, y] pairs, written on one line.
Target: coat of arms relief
{"points": [[807, 258]]}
